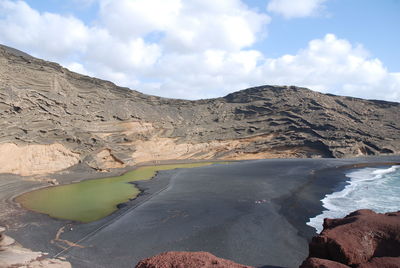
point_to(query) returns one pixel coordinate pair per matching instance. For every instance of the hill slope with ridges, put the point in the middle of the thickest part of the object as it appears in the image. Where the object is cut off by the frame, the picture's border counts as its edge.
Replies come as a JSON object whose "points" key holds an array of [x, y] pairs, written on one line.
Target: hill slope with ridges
{"points": [[75, 118]]}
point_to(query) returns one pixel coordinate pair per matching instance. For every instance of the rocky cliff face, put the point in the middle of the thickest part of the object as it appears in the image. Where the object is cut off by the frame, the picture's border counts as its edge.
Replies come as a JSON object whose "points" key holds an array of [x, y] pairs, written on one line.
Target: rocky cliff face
{"points": [[76, 118]]}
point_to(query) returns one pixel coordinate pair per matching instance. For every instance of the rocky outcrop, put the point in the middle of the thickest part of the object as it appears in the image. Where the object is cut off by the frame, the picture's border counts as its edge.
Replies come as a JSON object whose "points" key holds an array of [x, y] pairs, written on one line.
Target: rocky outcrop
{"points": [[106, 126], [175, 259], [35, 158], [104, 160], [361, 239], [13, 255], [322, 263]]}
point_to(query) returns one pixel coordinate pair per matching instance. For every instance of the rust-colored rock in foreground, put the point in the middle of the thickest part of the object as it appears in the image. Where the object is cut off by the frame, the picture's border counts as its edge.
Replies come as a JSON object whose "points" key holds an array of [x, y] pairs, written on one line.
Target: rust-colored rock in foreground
{"points": [[322, 263], [176, 259], [361, 239]]}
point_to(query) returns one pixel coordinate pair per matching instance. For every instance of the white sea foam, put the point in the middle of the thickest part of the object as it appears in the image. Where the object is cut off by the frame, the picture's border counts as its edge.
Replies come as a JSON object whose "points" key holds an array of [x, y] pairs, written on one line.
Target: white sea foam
{"points": [[368, 188]]}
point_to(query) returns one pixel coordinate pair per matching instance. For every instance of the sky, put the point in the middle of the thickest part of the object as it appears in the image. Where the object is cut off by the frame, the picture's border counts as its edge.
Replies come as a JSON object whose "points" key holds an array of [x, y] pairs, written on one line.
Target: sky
{"points": [[196, 49]]}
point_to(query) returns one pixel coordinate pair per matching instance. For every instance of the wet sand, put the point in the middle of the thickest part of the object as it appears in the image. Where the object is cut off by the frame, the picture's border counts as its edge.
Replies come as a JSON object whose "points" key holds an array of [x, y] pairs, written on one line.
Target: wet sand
{"points": [[252, 212]]}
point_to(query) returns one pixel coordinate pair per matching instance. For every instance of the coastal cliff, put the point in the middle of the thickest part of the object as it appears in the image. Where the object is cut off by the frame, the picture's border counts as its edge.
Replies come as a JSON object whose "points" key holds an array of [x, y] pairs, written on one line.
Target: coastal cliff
{"points": [[70, 118]]}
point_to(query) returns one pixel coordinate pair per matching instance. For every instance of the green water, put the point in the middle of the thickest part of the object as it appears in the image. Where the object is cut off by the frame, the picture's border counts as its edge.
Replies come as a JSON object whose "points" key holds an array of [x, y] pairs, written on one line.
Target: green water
{"points": [[92, 200]]}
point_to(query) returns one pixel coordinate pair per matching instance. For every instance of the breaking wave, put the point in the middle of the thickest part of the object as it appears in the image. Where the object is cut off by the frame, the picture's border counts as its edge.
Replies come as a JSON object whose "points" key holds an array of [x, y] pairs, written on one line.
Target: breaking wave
{"points": [[368, 188]]}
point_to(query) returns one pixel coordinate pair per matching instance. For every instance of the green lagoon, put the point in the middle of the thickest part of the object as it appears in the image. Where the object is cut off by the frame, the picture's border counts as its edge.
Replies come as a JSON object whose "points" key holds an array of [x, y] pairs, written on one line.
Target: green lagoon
{"points": [[91, 200]]}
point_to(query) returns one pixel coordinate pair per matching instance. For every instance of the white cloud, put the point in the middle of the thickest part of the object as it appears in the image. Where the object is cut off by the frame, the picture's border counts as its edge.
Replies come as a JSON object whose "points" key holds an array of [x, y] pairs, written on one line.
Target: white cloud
{"points": [[202, 25], [67, 40], [336, 66], [77, 67], [48, 35], [202, 75], [296, 9], [131, 19], [190, 25], [328, 65], [118, 47], [133, 54], [195, 49]]}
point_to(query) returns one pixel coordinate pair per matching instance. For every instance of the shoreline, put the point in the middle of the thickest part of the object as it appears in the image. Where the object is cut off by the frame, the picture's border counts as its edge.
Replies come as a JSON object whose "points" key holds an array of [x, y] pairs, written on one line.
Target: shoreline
{"points": [[132, 181], [339, 210], [47, 226], [123, 229], [112, 173], [67, 177], [333, 178]]}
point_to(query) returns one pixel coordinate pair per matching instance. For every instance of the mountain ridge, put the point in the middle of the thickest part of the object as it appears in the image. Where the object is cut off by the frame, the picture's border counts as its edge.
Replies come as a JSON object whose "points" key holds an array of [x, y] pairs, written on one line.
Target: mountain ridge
{"points": [[80, 119]]}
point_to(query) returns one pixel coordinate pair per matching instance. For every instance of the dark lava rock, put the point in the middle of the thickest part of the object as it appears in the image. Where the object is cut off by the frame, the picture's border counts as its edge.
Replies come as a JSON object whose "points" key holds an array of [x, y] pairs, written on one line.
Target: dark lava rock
{"points": [[121, 205], [176, 259], [361, 239]]}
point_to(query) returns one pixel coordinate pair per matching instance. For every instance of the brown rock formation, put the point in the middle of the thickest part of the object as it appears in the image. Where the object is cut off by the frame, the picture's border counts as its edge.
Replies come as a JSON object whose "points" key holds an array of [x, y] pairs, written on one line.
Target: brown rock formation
{"points": [[322, 263], [361, 239], [35, 159], [84, 119], [176, 259], [382, 262]]}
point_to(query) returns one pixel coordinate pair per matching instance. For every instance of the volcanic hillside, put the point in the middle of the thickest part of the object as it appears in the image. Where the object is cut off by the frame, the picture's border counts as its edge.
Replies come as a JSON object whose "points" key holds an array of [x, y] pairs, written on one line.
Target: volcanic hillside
{"points": [[52, 118]]}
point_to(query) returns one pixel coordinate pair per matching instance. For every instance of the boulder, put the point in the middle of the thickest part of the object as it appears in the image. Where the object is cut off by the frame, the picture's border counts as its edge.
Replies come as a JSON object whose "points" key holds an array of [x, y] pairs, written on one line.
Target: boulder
{"points": [[361, 239], [321, 263], [176, 259], [382, 262]]}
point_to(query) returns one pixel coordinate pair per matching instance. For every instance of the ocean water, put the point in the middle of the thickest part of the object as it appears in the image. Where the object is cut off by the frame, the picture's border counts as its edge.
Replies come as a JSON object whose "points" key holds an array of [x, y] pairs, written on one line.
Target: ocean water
{"points": [[367, 188]]}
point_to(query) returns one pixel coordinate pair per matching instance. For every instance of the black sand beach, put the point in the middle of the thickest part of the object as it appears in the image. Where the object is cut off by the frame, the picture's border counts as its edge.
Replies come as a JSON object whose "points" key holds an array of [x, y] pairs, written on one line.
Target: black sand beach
{"points": [[252, 212]]}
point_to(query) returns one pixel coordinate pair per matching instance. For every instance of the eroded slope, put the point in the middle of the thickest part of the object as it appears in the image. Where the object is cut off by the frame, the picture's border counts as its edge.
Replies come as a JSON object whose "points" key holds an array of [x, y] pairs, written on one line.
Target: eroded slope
{"points": [[96, 122]]}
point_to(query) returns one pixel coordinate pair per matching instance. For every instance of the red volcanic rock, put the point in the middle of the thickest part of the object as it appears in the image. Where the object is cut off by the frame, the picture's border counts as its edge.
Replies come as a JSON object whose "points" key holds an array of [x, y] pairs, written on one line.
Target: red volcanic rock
{"points": [[361, 239], [175, 259], [322, 263], [383, 262]]}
